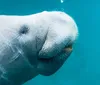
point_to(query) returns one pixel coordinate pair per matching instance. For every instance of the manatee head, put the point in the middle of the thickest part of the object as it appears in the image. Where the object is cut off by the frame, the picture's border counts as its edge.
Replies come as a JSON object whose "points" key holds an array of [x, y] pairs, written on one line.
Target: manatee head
{"points": [[34, 44]]}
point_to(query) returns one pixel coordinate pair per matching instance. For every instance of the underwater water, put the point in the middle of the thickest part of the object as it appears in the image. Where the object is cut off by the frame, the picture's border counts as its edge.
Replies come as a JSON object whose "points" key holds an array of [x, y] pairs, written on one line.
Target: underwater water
{"points": [[83, 66]]}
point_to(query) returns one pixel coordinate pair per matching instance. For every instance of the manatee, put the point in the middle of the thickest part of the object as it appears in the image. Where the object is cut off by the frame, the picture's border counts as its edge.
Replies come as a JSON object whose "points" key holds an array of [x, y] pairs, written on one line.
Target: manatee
{"points": [[34, 44]]}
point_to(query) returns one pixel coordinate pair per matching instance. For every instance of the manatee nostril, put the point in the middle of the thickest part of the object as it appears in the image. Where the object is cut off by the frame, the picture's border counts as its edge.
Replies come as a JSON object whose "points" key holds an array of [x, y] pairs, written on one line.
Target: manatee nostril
{"points": [[24, 29]]}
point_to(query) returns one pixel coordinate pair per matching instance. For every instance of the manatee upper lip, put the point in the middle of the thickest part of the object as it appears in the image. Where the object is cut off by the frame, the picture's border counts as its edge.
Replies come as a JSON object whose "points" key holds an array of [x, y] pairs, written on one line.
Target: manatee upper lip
{"points": [[66, 49]]}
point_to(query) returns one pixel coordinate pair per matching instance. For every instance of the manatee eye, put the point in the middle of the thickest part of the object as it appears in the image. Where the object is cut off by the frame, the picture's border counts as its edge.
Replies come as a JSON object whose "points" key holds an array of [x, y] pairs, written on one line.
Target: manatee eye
{"points": [[24, 30]]}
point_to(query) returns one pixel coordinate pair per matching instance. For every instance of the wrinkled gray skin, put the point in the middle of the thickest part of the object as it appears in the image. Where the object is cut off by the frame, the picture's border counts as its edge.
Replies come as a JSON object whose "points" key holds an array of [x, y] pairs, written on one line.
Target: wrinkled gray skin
{"points": [[33, 44]]}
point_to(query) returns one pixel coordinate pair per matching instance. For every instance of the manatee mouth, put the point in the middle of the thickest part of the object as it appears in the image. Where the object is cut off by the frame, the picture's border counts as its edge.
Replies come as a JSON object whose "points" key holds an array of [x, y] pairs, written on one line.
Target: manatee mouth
{"points": [[48, 66]]}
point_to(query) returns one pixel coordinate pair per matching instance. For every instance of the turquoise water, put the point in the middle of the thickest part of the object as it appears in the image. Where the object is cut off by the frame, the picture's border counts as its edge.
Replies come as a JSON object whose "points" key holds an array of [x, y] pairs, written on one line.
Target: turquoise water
{"points": [[83, 66]]}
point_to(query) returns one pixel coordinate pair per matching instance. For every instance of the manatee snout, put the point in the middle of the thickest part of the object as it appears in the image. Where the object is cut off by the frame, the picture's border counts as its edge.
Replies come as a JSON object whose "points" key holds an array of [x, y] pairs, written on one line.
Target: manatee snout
{"points": [[58, 44]]}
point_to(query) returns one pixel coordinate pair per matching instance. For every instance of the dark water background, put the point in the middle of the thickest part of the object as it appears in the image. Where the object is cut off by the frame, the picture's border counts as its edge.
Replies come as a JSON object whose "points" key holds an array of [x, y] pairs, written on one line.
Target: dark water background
{"points": [[83, 66]]}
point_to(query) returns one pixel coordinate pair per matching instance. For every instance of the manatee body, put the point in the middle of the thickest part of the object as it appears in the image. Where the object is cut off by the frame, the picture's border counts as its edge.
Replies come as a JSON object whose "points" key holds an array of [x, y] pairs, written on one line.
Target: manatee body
{"points": [[34, 44]]}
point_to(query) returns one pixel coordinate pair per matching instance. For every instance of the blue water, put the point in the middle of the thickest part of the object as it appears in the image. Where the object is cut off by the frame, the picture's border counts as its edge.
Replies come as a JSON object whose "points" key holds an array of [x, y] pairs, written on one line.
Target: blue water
{"points": [[83, 66]]}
